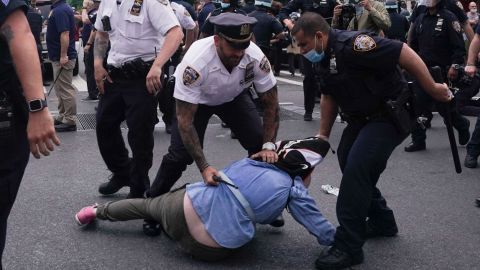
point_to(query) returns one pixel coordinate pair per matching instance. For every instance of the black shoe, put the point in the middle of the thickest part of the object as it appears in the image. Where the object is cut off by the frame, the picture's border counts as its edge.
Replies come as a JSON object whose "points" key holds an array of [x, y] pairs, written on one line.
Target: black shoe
{"points": [[57, 122], [377, 231], [470, 162], [477, 201], [65, 127], [151, 228], [168, 128], [278, 222], [136, 194], [333, 258], [414, 147], [90, 99], [46, 84], [464, 135], [114, 184], [307, 117]]}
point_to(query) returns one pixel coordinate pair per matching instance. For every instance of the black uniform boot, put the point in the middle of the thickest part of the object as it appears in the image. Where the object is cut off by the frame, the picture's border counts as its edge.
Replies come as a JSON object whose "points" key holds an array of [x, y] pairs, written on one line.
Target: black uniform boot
{"points": [[333, 258], [114, 184], [470, 162], [415, 146]]}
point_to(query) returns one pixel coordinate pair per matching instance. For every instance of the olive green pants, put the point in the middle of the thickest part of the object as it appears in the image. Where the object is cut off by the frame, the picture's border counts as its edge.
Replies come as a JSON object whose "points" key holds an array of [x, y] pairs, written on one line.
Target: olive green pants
{"points": [[167, 210]]}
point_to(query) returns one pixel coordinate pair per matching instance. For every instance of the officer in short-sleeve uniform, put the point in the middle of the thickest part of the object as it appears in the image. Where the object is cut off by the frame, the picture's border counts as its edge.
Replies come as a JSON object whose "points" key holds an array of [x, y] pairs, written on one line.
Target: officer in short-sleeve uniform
{"points": [[437, 38], [22, 104], [204, 82], [138, 31]]}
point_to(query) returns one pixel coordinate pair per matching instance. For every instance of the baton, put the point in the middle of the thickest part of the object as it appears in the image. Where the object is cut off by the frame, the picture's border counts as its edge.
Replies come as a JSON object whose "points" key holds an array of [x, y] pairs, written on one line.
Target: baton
{"points": [[53, 84], [437, 76]]}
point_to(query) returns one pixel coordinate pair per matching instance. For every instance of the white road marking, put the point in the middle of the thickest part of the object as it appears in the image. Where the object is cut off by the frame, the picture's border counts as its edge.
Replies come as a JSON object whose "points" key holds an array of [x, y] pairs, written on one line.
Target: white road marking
{"points": [[289, 81]]}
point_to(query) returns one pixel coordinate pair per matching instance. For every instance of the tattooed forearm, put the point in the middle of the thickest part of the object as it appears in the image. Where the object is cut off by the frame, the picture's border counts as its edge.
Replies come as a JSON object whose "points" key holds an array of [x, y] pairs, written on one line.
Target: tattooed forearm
{"points": [[101, 45], [6, 32], [271, 117], [185, 114]]}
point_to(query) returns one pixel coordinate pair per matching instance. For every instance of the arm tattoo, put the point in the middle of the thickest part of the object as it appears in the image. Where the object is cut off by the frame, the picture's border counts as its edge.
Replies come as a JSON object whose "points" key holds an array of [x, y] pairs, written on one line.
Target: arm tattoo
{"points": [[185, 115], [101, 45], [271, 117], [6, 32]]}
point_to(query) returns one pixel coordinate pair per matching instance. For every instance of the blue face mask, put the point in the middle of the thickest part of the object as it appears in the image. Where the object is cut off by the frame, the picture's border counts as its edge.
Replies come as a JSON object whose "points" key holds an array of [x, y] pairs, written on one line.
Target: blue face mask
{"points": [[313, 56], [225, 5]]}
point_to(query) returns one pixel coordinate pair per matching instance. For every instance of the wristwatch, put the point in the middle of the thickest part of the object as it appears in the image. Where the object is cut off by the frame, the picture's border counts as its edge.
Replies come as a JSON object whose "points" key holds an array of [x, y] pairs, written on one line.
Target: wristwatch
{"points": [[269, 146], [37, 105]]}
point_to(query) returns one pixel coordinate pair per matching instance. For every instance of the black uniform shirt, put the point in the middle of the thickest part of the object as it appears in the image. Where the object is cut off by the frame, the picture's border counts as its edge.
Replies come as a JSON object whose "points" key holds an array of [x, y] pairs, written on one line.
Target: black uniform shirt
{"points": [[399, 28], [208, 27], [438, 39], [322, 7], [449, 4], [360, 71], [6, 65], [264, 28]]}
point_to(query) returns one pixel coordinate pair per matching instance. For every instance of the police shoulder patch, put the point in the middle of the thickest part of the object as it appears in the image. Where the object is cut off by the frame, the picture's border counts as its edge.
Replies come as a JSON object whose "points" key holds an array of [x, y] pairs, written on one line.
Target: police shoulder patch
{"points": [[163, 2], [265, 65], [190, 75], [456, 26], [364, 43]]}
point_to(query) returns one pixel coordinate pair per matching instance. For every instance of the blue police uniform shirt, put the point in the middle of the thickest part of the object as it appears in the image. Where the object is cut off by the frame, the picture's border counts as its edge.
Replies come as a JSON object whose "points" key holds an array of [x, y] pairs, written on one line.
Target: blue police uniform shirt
{"points": [[266, 25], [360, 71], [438, 40], [203, 15], [60, 20], [267, 190], [6, 64]]}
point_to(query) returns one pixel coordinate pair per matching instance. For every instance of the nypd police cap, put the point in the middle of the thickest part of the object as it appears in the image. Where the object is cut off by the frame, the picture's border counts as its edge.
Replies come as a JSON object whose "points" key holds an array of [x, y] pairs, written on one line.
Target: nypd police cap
{"points": [[235, 28]]}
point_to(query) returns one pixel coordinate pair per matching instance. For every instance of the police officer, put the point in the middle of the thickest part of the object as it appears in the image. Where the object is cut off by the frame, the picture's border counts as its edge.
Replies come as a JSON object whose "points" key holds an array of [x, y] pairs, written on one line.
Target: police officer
{"points": [[213, 78], [226, 6], [25, 121], [473, 147], [89, 16], [361, 78], [165, 97], [267, 26], [324, 8], [143, 35], [399, 23], [437, 38]]}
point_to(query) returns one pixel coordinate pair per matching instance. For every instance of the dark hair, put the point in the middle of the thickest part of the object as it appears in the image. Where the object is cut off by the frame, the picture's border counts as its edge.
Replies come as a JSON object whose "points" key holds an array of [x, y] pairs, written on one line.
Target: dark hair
{"points": [[310, 23]]}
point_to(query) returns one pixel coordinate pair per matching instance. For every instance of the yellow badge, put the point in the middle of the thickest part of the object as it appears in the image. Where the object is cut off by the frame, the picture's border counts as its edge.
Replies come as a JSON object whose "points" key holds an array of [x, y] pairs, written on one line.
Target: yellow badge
{"points": [[244, 29], [456, 26], [190, 76], [364, 43], [265, 65]]}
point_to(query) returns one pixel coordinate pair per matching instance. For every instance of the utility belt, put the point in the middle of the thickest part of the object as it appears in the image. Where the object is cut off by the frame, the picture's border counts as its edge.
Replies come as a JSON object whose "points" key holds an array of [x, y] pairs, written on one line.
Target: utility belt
{"points": [[399, 111], [135, 69]]}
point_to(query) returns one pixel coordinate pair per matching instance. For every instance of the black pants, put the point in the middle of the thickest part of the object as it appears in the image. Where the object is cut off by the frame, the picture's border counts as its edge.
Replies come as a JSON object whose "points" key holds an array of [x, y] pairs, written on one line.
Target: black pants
{"points": [[130, 101], [242, 118], [423, 103], [310, 86], [14, 154], [363, 153], [90, 74]]}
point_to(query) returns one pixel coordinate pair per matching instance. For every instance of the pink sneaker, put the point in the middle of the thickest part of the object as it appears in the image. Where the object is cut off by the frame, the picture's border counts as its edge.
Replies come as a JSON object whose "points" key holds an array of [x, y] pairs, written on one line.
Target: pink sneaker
{"points": [[86, 215]]}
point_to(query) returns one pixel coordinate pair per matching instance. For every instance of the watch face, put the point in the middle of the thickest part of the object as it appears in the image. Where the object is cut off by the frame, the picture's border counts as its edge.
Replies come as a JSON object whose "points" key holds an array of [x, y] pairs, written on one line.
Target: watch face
{"points": [[35, 105]]}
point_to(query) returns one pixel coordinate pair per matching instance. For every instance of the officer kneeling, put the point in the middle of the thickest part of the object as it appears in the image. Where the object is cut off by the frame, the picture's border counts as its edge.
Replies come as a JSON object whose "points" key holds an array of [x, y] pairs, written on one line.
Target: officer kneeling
{"points": [[362, 77]]}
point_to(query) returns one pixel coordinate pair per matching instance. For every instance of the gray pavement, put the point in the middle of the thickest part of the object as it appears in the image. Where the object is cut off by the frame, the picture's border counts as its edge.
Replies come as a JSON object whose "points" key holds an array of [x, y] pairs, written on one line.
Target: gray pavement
{"points": [[438, 222]]}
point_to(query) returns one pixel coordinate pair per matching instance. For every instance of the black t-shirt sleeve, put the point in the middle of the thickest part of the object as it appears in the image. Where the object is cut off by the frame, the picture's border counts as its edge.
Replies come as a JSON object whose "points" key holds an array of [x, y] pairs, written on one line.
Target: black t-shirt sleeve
{"points": [[276, 26], [10, 7], [373, 52]]}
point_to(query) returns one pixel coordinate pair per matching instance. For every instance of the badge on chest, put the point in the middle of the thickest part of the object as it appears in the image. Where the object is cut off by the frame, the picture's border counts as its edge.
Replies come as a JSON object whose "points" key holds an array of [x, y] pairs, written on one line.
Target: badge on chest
{"points": [[136, 7], [249, 75]]}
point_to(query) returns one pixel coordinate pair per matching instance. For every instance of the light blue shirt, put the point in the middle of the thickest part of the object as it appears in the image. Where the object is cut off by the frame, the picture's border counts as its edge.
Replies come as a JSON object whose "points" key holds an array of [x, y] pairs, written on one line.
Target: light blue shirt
{"points": [[268, 190]]}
